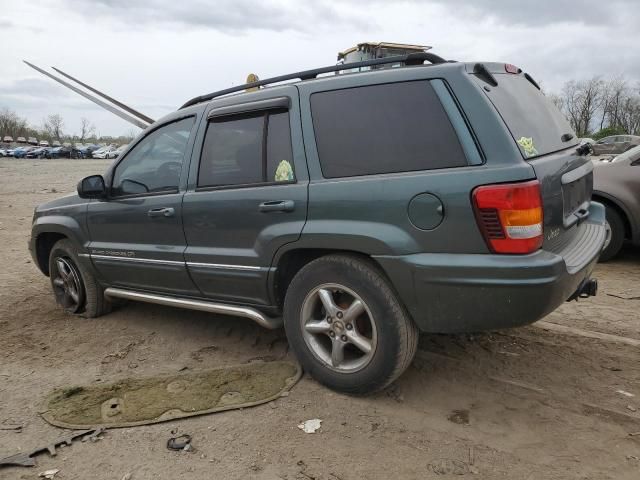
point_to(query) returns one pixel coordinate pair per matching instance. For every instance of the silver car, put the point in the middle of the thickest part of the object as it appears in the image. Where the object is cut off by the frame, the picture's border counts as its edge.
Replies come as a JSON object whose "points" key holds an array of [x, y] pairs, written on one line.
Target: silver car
{"points": [[615, 144], [616, 184]]}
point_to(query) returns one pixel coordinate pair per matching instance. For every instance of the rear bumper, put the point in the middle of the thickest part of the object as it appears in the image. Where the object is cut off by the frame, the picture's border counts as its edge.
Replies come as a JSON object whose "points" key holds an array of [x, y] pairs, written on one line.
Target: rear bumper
{"points": [[449, 293]]}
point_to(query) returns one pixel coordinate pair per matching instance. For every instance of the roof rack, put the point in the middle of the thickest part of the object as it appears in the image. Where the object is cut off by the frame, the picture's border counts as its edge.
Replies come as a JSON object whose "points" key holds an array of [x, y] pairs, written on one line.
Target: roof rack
{"points": [[409, 59]]}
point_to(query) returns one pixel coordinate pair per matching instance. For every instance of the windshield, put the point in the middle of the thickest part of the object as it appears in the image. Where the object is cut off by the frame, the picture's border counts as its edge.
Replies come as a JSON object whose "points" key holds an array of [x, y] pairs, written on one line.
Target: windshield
{"points": [[535, 123]]}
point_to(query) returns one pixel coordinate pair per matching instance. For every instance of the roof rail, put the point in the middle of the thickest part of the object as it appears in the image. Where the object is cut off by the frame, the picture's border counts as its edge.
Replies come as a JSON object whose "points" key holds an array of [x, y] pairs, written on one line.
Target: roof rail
{"points": [[409, 59]]}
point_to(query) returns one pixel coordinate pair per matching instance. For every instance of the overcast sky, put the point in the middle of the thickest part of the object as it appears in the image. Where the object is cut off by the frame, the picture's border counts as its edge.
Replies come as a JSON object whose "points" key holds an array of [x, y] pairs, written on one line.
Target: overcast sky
{"points": [[156, 54]]}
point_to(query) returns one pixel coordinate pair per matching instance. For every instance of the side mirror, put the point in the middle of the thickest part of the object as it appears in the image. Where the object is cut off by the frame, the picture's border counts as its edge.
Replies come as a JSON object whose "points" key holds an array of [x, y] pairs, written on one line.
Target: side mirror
{"points": [[92, 187]]}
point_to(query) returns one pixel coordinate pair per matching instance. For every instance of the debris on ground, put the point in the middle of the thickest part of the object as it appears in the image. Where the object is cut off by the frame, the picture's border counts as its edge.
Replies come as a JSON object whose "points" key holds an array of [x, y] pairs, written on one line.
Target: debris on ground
{"points": [[183, 442], [631, 408], [49, 474], [127, 476], [27, 460], [461, 417], [310, 426], [15, 428], [119, 355], [626, 394]]}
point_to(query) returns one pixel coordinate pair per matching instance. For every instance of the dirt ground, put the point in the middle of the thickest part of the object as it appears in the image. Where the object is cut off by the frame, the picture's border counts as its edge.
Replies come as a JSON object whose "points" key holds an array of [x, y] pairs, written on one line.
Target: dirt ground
{"points": [[529, 403]]}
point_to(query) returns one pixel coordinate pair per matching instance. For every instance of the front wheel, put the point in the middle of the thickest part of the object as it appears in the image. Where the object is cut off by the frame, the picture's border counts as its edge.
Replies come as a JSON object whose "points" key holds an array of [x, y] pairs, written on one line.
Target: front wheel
{"points": [[75, 288], [346, 325]]}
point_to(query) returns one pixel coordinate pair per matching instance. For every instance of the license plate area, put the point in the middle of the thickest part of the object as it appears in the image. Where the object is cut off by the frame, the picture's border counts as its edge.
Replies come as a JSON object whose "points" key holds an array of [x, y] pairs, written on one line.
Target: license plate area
{"points": [[576, 194]]}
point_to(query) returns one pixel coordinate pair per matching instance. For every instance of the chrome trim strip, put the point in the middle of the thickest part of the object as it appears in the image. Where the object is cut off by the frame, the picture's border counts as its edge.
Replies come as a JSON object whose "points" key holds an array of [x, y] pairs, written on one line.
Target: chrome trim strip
{"points": [[137, 260], [203, 306], [223, 265], [84, 255]]}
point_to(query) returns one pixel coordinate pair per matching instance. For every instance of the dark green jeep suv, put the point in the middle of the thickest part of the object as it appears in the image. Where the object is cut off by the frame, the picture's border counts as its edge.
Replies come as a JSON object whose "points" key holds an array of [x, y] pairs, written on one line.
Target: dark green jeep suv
{"points": [[356, 208]]}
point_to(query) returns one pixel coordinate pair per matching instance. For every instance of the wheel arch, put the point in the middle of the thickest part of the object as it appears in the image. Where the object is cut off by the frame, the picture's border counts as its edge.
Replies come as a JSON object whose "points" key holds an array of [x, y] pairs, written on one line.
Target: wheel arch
{"points": [[46, 235], [290, 261], [610, 201]]}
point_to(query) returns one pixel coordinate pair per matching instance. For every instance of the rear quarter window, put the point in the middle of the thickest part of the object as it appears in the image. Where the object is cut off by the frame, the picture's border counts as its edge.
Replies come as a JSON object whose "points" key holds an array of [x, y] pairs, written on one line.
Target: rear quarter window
{"points": [[399, 127]]}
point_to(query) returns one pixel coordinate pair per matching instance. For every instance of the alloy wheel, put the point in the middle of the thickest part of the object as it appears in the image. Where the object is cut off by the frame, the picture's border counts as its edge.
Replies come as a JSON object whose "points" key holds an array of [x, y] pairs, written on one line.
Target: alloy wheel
{"points": [[338, 328], [67, 285]]}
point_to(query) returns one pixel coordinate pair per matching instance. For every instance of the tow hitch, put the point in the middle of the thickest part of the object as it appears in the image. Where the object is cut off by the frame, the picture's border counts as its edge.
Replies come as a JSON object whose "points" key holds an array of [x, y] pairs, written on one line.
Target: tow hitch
{"points": [[588, 288]]}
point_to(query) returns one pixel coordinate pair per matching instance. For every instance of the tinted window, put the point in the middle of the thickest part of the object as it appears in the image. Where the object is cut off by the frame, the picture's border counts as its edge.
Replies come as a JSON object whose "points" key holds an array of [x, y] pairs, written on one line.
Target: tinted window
{"points": [[154, 164], [397, 127], [279, 148], [233, 151], [535, 122]]}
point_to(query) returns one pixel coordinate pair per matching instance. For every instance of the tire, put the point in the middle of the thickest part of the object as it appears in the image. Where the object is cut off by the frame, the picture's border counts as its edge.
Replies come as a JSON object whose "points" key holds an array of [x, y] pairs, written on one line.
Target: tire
{"points": [[89, 300], [616, 232], [383, 324]]}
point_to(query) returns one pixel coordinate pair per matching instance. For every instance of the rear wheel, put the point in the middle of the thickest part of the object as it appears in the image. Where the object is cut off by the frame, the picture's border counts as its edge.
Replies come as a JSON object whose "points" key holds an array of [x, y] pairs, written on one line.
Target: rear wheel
{"points": [[615, 235], [346, 325], [75, 288]]}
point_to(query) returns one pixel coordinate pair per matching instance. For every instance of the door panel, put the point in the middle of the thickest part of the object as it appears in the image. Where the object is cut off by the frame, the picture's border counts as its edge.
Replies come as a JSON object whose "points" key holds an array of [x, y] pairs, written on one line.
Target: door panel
{"points": [[131, 249], [231, 242], [137, 240], [233, 229]]}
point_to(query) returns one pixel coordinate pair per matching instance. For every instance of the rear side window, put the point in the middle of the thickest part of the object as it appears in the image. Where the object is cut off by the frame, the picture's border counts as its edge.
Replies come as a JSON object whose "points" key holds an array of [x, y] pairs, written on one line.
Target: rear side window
{"points": [[247, 150], [534, 121], [399, 127]]}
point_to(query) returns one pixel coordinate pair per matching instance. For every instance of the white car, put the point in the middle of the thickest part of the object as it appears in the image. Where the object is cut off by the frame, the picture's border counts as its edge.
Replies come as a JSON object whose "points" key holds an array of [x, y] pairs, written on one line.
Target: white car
{"points": [[117, 152], [102, 152]]}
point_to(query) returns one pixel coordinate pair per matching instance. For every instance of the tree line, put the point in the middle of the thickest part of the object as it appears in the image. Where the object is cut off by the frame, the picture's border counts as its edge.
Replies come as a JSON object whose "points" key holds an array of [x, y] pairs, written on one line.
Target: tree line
{"points": [[597, 106], [53, 128]]}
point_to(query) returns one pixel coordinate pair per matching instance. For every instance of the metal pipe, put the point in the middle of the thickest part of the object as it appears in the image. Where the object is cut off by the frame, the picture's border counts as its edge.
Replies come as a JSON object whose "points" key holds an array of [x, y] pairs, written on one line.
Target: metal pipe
{"points": [[203, 306], [125, 116], [126, 108]]}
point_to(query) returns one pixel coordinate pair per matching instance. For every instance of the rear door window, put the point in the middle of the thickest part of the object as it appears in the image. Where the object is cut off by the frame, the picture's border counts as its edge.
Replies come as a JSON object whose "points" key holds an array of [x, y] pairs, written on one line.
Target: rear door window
{"points": [[535, 123], [399, 127], [247, 150]]}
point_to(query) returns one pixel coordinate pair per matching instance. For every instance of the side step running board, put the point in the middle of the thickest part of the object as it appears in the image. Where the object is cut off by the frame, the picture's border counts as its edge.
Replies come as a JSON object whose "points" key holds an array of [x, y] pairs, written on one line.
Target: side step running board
{"points": [[203, 306]]}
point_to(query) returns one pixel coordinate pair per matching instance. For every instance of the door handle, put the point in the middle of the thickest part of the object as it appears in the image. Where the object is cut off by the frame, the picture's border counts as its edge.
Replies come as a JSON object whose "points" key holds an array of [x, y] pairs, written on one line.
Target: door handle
{"points": [[161, 212], [277, 206]]}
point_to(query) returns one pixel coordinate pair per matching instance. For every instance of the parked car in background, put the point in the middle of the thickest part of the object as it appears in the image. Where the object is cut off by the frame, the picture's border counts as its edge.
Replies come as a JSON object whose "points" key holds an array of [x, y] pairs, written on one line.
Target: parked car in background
{"points": [[63, 152], [86, 150], [3, 152], [615, 144], [43, 143], [32, 141], [616, 184], [21, 152], [7, 139], [56, 143], [38, 152], [102, 152], [117, 152], [21, 140]]}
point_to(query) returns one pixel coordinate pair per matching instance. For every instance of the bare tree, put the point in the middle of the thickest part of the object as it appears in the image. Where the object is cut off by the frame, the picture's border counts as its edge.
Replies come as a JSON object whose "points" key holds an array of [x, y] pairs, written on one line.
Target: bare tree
{"points": [[53, 125], [581, 101], [87, 129], [12, 124]]}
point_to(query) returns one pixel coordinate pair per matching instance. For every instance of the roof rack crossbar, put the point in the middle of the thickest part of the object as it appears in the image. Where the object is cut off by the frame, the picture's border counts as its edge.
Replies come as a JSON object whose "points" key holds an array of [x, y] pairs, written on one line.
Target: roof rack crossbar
{"points": [[409, 59]]}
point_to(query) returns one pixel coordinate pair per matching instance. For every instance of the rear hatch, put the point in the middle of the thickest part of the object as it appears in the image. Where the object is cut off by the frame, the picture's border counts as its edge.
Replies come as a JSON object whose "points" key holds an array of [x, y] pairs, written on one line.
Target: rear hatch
{"points": [[548, 143]]}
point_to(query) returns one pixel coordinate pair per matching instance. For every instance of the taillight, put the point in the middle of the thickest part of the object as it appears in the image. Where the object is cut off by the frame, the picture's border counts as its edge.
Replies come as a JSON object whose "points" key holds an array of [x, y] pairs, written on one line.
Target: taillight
{"points": [[510, 216]]}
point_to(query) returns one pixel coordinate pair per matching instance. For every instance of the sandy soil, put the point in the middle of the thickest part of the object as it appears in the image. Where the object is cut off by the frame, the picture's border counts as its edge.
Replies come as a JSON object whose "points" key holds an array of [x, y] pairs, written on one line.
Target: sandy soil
{"points": [[527, 403]]}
